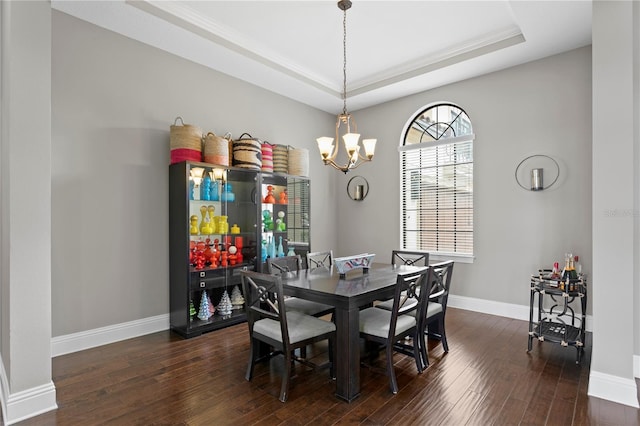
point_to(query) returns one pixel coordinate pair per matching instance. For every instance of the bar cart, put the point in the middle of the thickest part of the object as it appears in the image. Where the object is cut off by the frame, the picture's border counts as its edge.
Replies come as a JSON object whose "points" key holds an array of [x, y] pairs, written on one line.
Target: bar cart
{"points": [[557, 320]]}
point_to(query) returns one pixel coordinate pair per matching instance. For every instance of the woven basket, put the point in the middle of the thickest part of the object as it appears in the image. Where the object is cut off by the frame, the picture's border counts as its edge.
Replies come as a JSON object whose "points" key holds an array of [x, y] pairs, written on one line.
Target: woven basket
{"points": [[247, 152], [299, 162], [216, 149], [185, 142], [267, 157], [281, 158]]}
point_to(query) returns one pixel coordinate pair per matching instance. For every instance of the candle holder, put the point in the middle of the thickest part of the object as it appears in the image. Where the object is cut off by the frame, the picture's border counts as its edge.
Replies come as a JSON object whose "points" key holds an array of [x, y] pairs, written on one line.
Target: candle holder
{"points": [[357, 188], [536, 166]]}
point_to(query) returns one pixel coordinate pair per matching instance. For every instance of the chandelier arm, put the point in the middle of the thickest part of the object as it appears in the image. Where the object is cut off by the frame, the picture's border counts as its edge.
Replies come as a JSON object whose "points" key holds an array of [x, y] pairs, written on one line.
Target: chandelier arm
{"points": [[348, 166], [364, 157], [336, 147], [358, 164], [344, 169]]}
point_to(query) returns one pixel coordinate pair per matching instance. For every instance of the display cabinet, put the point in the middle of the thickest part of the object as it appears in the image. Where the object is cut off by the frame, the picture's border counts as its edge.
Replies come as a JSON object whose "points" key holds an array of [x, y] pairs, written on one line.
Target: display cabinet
{"points": [[224, 220], [560, 312]]}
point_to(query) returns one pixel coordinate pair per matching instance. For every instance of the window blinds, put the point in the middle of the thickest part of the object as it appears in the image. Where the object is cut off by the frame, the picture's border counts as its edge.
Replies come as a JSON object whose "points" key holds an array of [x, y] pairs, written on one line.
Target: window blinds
{"points": [[437, 196]]}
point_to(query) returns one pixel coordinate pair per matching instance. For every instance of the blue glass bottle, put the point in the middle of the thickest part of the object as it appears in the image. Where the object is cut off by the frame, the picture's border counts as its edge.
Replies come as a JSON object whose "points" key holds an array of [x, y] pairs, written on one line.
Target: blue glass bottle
{"points": [[263, 251], [227, 194], [205, 188], [215, 191], [271, 247], [280, 248]]}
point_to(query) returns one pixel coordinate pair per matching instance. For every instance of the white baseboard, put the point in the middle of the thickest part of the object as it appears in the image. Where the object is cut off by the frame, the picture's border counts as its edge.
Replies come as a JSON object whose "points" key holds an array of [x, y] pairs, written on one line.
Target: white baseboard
{"points": [[29, 403], [509, 310], [4, 389], [102, 336], [25, 404], [613, 388], [636, 366]]}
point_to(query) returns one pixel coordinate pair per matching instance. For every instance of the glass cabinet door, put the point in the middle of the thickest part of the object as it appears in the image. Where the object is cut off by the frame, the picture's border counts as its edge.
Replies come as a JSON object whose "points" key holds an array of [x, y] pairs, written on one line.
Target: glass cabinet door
{"points": [[285, 217], [213, 223], [298, 221], [222, 212], [274, 211]]}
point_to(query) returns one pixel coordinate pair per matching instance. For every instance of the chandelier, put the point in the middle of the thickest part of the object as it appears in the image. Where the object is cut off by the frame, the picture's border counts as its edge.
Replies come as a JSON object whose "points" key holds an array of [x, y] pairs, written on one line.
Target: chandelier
{"points": [[328, 150]]}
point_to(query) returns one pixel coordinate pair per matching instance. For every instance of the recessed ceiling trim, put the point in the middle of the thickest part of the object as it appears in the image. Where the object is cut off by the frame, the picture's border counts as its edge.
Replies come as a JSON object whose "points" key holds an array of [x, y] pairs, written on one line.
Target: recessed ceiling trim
{"points": [[188, 19], [446, 60]]}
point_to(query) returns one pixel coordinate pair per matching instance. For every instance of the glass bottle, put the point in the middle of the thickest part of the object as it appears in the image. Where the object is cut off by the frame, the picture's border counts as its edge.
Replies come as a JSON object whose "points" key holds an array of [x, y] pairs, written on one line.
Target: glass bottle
{"points": [[578, 265], [215, 191], [280, 252], [205, 188]]}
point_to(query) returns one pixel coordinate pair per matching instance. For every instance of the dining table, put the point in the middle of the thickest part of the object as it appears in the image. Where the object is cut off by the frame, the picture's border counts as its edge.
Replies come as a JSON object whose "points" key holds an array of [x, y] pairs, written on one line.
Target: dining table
{"points": [[348, 293]]}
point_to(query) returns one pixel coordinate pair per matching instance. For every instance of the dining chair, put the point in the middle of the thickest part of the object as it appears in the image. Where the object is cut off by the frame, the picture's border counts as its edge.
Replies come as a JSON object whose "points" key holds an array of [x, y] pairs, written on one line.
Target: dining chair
{"points": [[293, 264], [319, 259], [405, 257], [285, 331], [389, 328], [437, 305]]}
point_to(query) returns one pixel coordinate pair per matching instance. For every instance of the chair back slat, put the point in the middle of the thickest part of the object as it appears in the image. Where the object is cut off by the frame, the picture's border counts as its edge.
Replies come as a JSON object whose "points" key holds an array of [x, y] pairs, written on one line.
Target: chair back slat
{"points": [[441, 282], [319, 259], [284, 265], [410, 257], [410, 288]]}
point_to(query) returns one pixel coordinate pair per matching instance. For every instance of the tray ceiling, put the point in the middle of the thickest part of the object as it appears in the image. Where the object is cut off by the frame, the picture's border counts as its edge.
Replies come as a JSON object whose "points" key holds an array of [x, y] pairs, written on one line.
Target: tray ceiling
{"points": [[394, 48]]}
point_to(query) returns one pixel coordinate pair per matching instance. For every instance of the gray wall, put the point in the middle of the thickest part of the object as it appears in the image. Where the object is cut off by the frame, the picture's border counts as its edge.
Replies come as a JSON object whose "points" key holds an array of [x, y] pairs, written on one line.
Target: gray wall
{"points": [[114, 99], [543, 107], [113, 102]]}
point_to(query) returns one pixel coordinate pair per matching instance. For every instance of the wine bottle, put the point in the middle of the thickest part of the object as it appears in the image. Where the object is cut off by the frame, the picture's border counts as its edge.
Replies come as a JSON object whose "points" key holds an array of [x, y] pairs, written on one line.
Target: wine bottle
{"points": [[572, 269]]}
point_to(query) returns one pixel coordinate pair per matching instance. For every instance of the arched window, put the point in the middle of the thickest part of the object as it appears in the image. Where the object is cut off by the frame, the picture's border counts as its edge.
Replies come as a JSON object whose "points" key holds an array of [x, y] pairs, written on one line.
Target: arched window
{"points": [[436, 183]]}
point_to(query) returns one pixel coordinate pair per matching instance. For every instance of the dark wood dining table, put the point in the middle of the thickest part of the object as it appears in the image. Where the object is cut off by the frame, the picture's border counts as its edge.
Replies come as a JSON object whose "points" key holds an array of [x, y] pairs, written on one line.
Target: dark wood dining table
{"points": [[356, 290]]}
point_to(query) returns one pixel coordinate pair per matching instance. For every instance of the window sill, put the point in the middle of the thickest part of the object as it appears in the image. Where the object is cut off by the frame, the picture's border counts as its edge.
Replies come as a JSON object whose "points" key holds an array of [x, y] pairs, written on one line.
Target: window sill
{"points": [[442, 257]]}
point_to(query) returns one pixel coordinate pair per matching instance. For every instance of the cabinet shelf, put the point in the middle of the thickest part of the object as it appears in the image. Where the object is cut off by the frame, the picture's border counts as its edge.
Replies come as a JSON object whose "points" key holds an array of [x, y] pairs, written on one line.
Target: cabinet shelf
{"points": [[198, 326]]}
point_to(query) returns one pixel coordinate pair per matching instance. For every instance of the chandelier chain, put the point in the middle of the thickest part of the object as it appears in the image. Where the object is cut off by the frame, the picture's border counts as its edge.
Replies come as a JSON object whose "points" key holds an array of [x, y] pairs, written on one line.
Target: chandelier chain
{"points": [[344, 63]]}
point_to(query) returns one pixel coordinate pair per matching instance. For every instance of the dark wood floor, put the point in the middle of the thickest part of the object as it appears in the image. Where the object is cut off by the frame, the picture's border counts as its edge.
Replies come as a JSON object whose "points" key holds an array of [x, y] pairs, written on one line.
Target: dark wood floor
{"points": [[487, 378]]}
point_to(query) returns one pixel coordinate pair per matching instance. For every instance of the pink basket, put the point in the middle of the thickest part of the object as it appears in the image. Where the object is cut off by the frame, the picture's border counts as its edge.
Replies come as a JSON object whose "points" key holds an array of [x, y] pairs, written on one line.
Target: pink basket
{"points": [[267, 157]]}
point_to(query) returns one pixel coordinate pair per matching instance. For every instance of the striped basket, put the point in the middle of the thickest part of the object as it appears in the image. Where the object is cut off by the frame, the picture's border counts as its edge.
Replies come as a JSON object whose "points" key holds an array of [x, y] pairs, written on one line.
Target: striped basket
{"points": [[299, 162], [216, 149], [281, 158], [267, 157], [185, 141], [247, 152]]}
